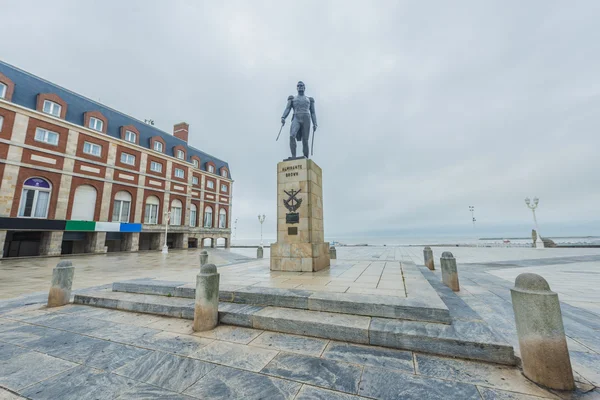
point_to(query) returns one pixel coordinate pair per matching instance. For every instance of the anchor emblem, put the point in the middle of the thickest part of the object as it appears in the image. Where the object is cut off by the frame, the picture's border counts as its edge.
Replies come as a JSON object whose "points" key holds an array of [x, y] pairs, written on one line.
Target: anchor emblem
{"points": [[292, 203]]}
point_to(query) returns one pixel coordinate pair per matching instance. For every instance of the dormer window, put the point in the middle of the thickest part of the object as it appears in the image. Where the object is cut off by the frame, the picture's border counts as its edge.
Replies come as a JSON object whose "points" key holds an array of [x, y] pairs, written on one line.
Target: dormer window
{"points": [[130, 136], [3, 90], [158, 146], [224, 173], [180, 154], [51, 108], [211, 169], [96, 124], [196, 163]]}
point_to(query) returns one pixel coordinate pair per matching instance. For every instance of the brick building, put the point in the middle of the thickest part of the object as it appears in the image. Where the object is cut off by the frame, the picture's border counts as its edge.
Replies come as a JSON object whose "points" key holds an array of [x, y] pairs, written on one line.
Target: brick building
{"points": [[80, 177]]}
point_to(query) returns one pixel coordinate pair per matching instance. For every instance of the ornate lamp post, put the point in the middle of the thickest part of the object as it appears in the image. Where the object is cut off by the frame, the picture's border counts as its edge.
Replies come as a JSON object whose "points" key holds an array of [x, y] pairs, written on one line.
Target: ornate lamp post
{"points": [[472, 209], [539, 244], [261, 219], [165, 249]]}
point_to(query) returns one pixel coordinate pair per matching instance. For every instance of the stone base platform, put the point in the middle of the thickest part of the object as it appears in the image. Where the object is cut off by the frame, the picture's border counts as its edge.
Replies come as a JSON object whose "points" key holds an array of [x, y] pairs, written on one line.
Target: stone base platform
{"points": [[301, 257]]}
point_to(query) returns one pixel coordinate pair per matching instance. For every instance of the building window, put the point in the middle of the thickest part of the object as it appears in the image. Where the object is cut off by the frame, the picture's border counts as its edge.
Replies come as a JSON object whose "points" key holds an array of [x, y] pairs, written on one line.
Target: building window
{"points": [[176, 212], [194, 180], [208, 219], [222, 218], [196, 163], [224, 188], [224, 173], [92, 149], [130, 136], [210, 184], [35, 198], [179, 173], [1, 122], [96, 124], [51, 108], [155, 166], [180, 154], [151, 214], [121, 207], [193, 212], [3, 89], [84, 203], [42, 135], [128, 159], [211, 169], [158, 146]]}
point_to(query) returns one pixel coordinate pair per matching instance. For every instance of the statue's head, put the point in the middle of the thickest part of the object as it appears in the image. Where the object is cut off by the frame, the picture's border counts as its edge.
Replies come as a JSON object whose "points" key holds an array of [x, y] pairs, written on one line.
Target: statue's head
{"points": [[300, 86]]}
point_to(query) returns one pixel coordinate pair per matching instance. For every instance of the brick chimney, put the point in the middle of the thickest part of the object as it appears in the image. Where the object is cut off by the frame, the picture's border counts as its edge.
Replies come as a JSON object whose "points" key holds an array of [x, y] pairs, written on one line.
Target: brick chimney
{"points": [[180, 131]]}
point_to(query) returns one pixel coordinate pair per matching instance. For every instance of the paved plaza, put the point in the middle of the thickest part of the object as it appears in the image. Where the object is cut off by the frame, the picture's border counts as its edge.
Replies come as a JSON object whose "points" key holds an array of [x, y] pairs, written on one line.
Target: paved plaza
{"points": [[82, 352]]}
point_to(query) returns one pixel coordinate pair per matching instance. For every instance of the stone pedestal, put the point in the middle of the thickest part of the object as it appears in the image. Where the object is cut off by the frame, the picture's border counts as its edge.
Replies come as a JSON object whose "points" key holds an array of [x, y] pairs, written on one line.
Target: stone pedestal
{"points": [[301, 242], [206, 307], [428, 257], [449, 271], [62, 281]]}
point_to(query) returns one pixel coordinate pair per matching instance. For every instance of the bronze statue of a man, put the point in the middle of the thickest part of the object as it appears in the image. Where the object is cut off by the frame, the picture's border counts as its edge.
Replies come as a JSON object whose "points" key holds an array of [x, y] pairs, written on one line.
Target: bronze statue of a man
{"points": [[304, 111]]}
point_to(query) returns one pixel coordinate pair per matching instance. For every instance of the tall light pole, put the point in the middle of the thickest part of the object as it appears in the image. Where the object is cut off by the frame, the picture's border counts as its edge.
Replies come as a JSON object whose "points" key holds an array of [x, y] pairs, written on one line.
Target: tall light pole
{"points": [[165, 249], [261, 219], [472, 209], [539, 244]]}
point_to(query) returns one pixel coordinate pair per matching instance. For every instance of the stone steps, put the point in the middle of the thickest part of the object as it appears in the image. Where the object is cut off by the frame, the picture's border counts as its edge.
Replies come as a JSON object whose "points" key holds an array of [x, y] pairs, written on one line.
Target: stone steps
{"points": [[431, 309], [463, 339]]}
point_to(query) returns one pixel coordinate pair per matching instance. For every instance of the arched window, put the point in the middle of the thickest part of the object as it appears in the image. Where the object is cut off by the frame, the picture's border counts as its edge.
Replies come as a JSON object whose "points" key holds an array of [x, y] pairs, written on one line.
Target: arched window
{"points": [[193, 213], [121, 207], [84, 203], [176, 212], [222, 218], [35, 198], [208, 218], [151, 213]]}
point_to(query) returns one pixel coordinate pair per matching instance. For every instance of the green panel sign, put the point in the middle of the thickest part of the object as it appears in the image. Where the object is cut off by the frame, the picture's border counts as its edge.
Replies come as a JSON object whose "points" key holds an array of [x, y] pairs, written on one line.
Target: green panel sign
{"points": [[80, 226]]}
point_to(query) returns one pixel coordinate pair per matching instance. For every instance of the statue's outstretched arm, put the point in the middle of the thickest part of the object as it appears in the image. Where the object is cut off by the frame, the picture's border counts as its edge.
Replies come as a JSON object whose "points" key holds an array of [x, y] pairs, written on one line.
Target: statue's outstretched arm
{"points": [[313, 114], [287, 110]]}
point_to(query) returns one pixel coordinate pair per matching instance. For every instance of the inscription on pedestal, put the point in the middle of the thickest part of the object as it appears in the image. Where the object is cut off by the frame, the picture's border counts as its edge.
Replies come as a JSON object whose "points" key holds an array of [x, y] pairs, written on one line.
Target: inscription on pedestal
{"points": [[292, 230], [292, 218]]}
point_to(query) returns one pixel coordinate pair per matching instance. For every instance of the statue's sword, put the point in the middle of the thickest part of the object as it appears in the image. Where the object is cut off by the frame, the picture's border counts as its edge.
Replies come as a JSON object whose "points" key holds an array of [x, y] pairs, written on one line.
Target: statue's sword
{"points": [[312, 144], [280, 131]]}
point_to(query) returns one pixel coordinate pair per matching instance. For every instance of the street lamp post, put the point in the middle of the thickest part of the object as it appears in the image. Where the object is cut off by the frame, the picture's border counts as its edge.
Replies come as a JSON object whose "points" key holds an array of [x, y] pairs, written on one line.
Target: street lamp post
{"points": [[472, 209], [261, 219], [539, 244], [165, 249], [235, 228]]}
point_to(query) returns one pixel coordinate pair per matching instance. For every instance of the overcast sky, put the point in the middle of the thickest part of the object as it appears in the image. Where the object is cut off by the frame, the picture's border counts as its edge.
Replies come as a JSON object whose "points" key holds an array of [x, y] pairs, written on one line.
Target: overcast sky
{"points": [[424, 107]]}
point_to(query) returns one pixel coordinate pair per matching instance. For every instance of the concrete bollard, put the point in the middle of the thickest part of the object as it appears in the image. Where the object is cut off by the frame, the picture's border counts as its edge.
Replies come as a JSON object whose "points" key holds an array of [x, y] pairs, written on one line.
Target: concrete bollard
{"points": [[332, 253], [428, 256], [449, 271], [203, 257], [206, 308], [62, 281], [259, 252], [544, 352]]}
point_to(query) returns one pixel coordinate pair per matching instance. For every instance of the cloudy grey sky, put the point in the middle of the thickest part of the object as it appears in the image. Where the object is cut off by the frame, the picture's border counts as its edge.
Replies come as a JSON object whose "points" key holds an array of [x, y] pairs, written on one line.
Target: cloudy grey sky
{"points": [[424, 107]]}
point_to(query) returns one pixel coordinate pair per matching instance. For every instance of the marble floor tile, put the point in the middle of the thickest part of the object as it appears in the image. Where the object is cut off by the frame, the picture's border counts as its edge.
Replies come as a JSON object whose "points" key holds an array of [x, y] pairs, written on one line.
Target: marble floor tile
{"points": [[166, 370], [316, 371], [496, 376], [588, 365], [144, 391], [7, 324], [23, 334], [497, 394], [290, 343], [382, 383], [176, 343], [224, 383], [81, 383], [370, 355], [6, 395], [19, 368], [236, 334], [315, 393], [235, 355], [176, 325]]}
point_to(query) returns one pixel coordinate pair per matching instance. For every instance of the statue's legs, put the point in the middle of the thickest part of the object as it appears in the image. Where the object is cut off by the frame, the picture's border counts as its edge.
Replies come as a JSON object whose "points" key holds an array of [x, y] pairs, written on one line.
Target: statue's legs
{"points": [[294, 130], [293, 145]]}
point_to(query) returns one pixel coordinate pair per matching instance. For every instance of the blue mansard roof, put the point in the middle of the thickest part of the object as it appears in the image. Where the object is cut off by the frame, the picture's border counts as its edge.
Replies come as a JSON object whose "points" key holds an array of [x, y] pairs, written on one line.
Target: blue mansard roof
{"points": [[28, 86]]}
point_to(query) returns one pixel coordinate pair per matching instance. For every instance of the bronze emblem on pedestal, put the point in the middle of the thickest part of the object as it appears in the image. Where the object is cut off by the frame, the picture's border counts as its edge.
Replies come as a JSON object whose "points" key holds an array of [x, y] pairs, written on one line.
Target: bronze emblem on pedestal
{"points": [[292, 204]]}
